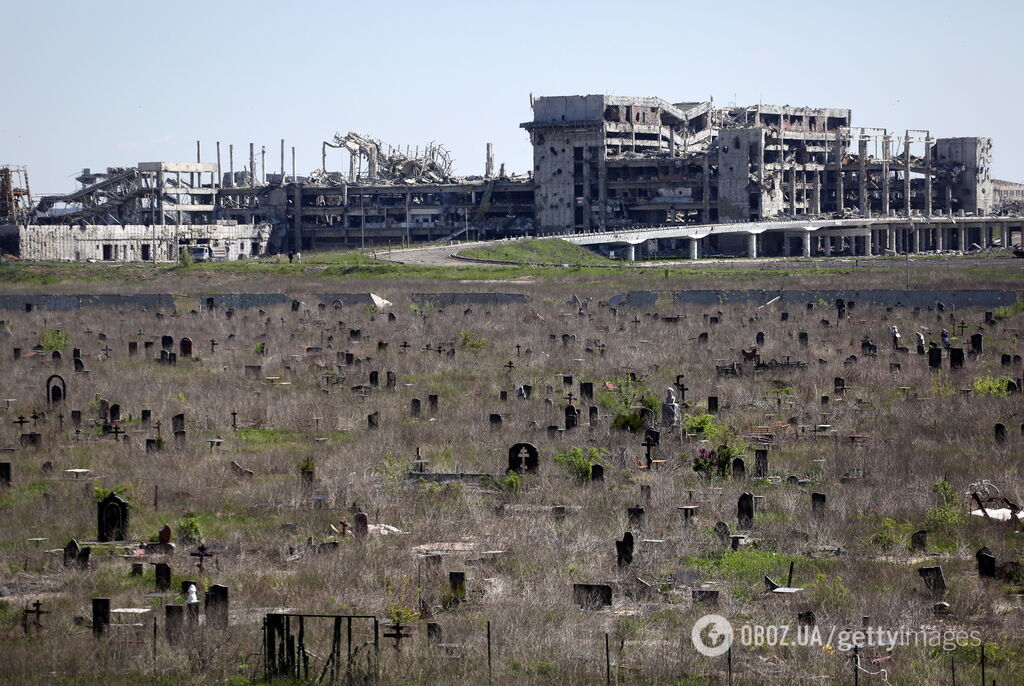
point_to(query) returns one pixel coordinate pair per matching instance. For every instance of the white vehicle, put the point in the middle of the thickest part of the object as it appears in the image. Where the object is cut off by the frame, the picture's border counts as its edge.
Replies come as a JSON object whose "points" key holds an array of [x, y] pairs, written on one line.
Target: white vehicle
{"points": [[204, 253]]}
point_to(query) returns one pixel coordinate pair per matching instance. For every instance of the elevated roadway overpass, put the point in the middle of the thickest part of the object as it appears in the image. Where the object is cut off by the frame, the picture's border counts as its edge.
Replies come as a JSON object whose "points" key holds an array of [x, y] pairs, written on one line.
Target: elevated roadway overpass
{"points": [[857, 236]]}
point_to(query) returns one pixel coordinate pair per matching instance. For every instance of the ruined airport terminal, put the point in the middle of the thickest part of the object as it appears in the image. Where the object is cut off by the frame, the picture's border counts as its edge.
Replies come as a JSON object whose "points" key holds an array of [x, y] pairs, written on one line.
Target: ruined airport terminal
{"points": [[628, 176]]}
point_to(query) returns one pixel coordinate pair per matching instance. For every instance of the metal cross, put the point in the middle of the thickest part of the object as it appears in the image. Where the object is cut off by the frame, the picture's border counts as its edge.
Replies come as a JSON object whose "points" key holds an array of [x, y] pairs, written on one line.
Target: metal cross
{"points": [[517, 349], [213, 345], [681, 385], [202, 554], [570, 397], [509, 366], [396, 634], [38, 612], [234, 419], [962, 326], [21, 421], [405, 346], [117, 431]]}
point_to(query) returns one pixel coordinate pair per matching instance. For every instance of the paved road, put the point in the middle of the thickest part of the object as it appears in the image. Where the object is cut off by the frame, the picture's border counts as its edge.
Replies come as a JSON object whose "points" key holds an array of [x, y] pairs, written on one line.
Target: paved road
{"points": [[442, 256]]}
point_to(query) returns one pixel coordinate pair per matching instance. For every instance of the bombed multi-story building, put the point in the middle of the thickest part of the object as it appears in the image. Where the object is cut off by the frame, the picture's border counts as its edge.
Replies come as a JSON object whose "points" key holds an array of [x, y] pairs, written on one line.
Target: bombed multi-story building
{"points": [[601, 164]]}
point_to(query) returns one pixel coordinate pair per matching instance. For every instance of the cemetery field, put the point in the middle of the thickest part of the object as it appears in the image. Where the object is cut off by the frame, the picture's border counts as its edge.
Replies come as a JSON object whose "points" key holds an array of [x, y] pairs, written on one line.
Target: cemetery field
{"points": [[352, 471]]}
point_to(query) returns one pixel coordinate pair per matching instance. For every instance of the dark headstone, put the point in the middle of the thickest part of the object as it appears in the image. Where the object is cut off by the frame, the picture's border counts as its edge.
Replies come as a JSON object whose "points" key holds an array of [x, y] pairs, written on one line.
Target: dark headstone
{"points": [[745, 511], [933, 579], [761, 463], [112, 519], [523, 457], [592, 595], [163, 576], [624, 550], [986, 563]]}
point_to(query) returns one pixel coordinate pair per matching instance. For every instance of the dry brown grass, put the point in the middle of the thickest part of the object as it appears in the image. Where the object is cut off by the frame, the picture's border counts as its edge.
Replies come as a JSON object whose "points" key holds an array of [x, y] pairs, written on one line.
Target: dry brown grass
{"points": [[539, 636]]}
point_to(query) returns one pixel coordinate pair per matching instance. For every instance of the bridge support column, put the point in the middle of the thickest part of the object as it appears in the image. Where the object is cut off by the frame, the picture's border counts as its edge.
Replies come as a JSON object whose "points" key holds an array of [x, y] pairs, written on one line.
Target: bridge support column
{"points": [[940, 238], [916, 243], [985, 234], [827, 242], [961, 238], [785, 244], [807, 243], [631, 253], [694, 248], [1005, 236], [890, 239], [752, 246]]}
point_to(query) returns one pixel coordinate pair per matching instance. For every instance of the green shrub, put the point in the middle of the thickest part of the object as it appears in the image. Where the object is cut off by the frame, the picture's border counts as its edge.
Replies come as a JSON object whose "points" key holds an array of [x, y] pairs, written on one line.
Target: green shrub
{"points": [[185, 258], [55, 339], [891, 534], [471, 341], [577, 464], [189, 530], [998, 386]]}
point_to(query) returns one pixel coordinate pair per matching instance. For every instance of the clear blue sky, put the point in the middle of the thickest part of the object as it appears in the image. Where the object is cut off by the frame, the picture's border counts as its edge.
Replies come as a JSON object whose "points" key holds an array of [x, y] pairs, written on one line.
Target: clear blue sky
{"points": [[97, 84]]}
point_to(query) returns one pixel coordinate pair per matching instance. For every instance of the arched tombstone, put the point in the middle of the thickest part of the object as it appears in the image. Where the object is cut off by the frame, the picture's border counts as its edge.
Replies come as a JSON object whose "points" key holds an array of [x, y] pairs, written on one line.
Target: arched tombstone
{"points": [[166, 343], [112, 519], [56, 357], [185, 347], [56, 390], [115, 412], [523, 457], [79, 365]]}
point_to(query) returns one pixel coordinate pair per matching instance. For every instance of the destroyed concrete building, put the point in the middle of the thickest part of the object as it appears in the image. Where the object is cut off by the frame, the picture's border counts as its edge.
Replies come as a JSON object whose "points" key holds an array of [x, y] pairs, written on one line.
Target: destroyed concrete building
{"points": [[603, 161], [602, 164]]}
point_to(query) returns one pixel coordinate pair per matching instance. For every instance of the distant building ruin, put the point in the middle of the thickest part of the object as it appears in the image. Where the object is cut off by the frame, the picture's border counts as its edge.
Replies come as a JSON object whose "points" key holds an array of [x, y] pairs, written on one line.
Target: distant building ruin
{"points": [[601, 163]]}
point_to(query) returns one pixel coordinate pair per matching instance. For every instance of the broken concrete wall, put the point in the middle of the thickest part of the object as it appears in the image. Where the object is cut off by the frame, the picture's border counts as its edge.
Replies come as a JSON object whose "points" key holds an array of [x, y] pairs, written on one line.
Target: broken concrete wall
{"points": [[136, 243], [973, 192]]}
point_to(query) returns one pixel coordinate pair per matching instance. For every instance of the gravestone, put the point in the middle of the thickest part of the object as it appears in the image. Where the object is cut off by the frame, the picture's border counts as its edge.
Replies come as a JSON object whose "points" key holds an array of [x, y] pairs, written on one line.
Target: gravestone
{"points": [[572, 417], [745, 511], [133, 348], [935, 357], [100, 615], [1000, 432], [115, 413], [986, 563], [759, 338], [722, 531], [185, 347], [495, 420], [166, 343], [362, 525], [5, 474], [592, 596], [933, 579], [978, 343], [216, 606], [636, 516], [112, 519], [712, 404], [523, 457], [163, 576], [919, 540], [596, 472], [375, 379], [586, 390], [819, 502], [624, 550], [178, 422], [670, 410], [79, 365], [593, 415], [739, 469], [761, 463], [56, 390], [956, 358], [373, 420], [414, 407], [390, 380], [802, 338], [164, 535], [432, 403]]}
